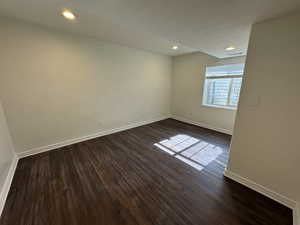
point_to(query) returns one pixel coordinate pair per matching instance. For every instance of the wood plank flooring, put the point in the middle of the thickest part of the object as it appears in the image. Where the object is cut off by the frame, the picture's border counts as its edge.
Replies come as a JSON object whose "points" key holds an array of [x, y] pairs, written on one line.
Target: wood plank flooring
{"points": [[139, 176]]}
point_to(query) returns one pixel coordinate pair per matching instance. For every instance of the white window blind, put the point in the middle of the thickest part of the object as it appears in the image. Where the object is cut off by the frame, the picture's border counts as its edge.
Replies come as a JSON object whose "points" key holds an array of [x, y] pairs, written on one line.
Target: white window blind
{"points": [[222, 85]]}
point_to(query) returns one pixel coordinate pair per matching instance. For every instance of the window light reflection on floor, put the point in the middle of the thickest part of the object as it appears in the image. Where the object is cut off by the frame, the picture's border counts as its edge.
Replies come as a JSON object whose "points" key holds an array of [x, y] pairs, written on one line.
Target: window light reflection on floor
{"points": [[192, 151]]}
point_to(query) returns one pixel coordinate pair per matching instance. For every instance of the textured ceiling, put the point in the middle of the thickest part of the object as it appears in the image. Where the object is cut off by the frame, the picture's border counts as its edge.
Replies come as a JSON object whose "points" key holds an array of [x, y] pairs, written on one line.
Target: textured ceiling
{"points": [[155, 25]]}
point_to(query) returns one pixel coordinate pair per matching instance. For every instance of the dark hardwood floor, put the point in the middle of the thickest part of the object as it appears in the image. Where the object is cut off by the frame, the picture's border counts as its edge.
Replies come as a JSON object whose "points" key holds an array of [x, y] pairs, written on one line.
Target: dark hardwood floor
{"points": [[164, 173]]}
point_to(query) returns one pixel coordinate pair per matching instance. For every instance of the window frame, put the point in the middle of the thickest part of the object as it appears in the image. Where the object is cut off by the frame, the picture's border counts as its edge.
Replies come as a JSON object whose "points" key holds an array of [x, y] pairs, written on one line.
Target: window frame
{"points": [[204, 91]]}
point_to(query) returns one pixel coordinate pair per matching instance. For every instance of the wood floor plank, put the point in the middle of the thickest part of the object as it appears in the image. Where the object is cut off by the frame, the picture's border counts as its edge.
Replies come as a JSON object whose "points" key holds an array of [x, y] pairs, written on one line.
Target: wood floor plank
{"points": [[126, 178]]}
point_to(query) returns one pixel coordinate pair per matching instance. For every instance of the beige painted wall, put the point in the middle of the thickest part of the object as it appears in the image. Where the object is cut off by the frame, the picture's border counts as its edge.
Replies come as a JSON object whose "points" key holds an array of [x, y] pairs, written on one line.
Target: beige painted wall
{"points": [[187, 91], [265, 146], [56, 86], [6, 149]]}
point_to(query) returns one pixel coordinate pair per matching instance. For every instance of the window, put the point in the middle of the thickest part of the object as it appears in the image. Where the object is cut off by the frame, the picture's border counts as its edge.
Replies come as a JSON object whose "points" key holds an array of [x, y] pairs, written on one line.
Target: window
{"points": [[222, 85]]}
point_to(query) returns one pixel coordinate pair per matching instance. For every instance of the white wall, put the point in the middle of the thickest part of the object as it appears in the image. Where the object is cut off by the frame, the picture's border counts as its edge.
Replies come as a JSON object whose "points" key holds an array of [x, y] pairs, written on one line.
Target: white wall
{"points": [[265, 146], [233, 60], [187, 90], [56, 86], [6, 152]]}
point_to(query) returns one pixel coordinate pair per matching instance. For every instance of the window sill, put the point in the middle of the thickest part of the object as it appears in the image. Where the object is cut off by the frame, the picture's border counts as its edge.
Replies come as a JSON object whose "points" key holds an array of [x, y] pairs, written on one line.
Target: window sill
{"points": [[219, 107]]}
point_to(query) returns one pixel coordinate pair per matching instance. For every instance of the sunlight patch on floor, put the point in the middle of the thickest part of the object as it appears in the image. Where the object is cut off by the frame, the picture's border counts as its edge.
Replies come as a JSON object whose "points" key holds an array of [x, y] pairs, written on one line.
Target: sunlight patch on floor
{"points": [[192, 151]]}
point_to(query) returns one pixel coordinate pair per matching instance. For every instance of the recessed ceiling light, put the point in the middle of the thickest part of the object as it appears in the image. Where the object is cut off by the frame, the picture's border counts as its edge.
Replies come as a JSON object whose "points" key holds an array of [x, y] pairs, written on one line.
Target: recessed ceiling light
{"points": [[68, 15], [175, 47], [230, 48]]}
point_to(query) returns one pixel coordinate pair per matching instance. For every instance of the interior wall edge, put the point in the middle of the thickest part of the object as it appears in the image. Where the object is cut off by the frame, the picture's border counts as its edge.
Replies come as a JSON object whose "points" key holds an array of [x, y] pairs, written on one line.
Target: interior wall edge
{"points": [[46, 148], [7, 182], [296, 214], [201, 124], [290, 203]]}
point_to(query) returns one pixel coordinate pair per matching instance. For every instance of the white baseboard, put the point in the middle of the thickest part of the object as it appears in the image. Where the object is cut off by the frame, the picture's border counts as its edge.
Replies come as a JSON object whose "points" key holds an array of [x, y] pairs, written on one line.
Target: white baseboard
{"points": [[267, 192], [88, 137], [200, 124], [7, 182]]}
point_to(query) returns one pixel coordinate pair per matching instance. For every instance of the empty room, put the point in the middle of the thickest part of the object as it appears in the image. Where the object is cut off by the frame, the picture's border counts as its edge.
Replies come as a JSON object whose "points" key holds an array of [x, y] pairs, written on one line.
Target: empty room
{"points": [[136, 112]]}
